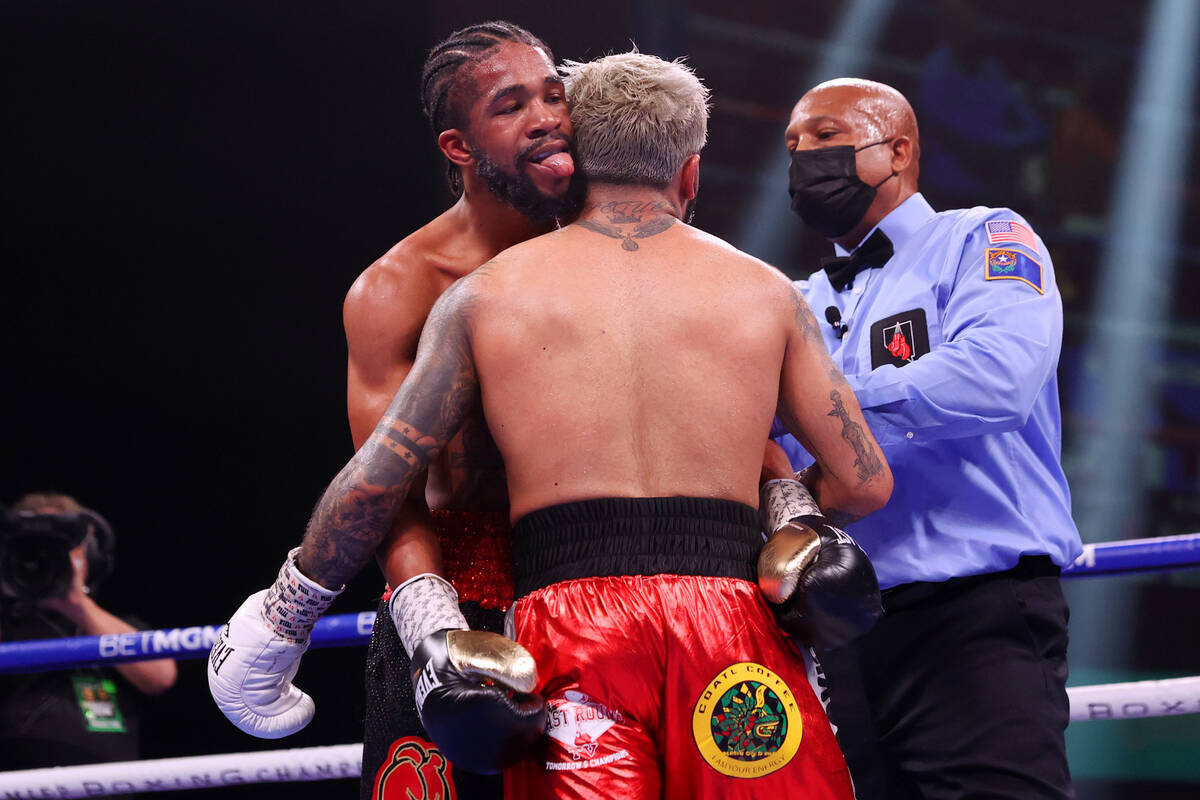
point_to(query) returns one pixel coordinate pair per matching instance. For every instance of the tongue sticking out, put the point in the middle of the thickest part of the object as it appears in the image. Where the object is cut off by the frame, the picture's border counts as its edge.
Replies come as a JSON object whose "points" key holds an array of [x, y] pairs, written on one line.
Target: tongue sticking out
{"points": [[560, 164]]}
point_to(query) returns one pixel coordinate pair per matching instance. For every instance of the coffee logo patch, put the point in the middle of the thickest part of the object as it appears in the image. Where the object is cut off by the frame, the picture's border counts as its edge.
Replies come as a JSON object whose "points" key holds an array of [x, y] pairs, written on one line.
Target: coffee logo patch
{"points": [[746, 722]]}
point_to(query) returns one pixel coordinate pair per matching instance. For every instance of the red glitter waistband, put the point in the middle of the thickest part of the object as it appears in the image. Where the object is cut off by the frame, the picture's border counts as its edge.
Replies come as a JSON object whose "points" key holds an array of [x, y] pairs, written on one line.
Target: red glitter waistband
{"points": [[477, 553]]}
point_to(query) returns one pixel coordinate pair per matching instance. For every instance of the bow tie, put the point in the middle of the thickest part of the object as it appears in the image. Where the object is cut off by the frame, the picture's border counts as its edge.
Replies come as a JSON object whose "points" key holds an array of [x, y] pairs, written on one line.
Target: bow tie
{"points": [[874, 252]]}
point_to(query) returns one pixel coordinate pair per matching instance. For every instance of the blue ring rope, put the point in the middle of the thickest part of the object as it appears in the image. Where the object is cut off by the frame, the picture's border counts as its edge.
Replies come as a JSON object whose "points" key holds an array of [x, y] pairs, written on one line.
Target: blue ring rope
{"points": [[341, 630], [1136, 555], [43, 655]]}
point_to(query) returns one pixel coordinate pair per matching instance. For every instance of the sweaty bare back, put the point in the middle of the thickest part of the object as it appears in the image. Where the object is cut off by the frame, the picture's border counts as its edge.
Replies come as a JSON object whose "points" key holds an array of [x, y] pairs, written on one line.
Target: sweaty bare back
{"points": [[650, 368], [640, 358]]}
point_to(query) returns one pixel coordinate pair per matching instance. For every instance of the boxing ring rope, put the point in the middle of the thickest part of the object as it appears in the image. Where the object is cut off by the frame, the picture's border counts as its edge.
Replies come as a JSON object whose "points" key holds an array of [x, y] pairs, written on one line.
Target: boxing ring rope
{"points": [[1138, 699], [342, 630], [193, 772], [1137, 555], [44, 655]]}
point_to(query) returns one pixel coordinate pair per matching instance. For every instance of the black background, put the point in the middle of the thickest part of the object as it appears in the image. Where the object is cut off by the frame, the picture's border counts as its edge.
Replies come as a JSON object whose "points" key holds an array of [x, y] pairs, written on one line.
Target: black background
{"points": [[189, 189]]}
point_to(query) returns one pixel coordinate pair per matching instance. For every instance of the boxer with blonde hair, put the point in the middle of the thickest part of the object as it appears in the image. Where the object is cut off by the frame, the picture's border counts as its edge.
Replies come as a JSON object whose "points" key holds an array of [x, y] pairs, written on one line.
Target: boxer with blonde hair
{"points": [[629, 367]]}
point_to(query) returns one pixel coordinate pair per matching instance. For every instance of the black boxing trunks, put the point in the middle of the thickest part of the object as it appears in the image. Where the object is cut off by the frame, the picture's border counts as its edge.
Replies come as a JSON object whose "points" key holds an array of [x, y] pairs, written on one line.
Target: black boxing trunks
{"points": [[399, 760], [663, 669]]}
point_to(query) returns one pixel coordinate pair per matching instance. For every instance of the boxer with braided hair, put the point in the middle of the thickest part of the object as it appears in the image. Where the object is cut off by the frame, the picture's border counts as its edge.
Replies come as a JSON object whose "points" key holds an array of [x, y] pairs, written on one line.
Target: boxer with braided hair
{"points": [[446, 79], [498, 111]]}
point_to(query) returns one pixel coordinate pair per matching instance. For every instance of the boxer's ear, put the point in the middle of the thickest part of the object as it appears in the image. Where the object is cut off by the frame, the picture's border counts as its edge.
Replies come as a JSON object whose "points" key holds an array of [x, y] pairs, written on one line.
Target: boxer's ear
{"points": [[454, 146], [689, 178]]}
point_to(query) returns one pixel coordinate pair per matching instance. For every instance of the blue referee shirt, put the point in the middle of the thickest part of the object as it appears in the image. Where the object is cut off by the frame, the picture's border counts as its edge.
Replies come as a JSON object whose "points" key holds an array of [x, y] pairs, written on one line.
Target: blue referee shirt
{"points": [[951, 349]]}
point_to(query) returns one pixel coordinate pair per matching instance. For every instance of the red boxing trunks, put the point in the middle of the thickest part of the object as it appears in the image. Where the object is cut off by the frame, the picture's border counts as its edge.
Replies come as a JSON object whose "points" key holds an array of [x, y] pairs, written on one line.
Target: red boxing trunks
{"points": [[664, 671], [399, 760]]}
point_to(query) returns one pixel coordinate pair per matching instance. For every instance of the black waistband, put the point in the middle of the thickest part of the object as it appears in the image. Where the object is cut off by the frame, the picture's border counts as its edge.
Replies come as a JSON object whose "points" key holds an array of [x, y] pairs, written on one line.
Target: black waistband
{"points": [[636, 536], [907, 595]]}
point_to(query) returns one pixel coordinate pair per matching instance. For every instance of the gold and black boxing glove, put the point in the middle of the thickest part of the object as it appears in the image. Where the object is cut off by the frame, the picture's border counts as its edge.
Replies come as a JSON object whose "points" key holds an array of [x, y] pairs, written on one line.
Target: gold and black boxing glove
{"points": [[819, 582], [475, 690]]}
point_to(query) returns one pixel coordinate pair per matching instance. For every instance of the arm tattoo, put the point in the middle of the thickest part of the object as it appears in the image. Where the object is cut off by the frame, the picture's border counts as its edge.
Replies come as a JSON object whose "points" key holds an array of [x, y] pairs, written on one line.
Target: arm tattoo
{"points": [[807, 323], [476, 467], [358, 508], [866, 461]]}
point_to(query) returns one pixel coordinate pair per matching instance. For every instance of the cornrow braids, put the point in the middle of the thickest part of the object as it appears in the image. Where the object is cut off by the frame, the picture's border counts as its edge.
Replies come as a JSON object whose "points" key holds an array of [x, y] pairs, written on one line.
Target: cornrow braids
{"points": [[442, 81]]}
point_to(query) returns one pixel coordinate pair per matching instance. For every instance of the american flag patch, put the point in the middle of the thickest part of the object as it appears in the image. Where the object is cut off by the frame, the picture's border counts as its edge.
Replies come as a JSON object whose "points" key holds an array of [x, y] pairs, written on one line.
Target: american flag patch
{"points": [[1011, 231]]}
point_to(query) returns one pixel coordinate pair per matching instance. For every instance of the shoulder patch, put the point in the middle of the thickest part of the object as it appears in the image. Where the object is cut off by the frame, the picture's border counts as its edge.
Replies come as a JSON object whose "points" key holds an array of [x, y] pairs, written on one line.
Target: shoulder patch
{"points": [[1010, 231], [1001, 263]]}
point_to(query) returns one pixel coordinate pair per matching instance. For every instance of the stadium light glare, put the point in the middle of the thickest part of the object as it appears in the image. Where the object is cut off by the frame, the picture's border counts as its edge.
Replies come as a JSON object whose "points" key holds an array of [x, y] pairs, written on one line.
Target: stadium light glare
{"points": [[1135, 275]]}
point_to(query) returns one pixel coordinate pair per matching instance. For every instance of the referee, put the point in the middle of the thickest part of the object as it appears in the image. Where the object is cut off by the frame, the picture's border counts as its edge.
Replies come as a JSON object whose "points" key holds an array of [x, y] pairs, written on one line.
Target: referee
{"points": [[948, 326]]}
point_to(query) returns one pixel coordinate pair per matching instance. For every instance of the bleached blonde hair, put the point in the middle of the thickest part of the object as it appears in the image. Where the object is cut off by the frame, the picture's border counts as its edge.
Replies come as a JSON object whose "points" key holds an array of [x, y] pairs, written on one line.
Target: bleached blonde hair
{"points": [[636, 117]]}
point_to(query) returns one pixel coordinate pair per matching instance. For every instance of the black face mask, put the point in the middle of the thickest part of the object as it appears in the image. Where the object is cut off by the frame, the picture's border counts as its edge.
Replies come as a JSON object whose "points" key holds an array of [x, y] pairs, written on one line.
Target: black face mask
{"points": [[826, 190]]}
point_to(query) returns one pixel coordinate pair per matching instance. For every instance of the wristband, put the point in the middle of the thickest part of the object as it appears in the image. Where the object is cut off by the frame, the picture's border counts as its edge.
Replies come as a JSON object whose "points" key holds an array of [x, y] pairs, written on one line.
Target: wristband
{"points": [[295, 602], [782, 500], [423, 605]]}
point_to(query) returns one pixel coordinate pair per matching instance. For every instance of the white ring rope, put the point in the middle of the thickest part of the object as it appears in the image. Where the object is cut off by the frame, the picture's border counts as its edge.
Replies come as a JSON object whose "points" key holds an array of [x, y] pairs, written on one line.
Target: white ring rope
{"points": [[1136, 700], [192, 772], [1165, 698]]}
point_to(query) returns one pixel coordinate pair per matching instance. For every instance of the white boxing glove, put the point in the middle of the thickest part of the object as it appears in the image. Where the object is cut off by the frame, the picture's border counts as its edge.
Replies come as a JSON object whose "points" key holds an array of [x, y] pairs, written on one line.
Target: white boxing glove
{"points": [[253, 661]]}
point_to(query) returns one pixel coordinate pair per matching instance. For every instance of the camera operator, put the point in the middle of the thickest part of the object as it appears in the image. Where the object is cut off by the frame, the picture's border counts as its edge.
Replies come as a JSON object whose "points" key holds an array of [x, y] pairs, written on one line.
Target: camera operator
{"points": [[85, 714]]}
